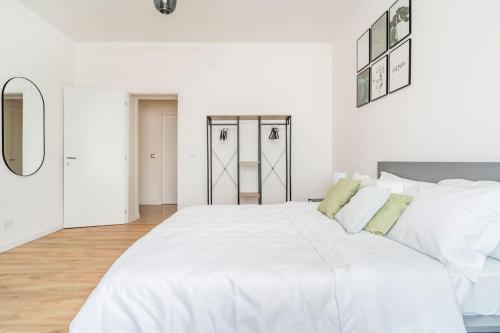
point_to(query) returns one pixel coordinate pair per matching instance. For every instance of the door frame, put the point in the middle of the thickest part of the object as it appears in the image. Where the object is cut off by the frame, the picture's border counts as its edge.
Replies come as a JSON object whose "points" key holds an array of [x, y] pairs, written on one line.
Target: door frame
{"points": [[135, 95]]}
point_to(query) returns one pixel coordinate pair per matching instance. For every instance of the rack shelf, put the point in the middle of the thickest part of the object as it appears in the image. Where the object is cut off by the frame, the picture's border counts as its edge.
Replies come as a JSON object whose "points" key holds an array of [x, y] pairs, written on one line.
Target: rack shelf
{"points": [[266, 162], [249, 162], [248, 117], [249, 195]]}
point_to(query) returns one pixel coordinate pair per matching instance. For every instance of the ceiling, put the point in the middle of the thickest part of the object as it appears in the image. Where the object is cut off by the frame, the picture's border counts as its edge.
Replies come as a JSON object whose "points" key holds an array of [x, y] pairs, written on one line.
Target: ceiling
{"points": [[196, 20]]}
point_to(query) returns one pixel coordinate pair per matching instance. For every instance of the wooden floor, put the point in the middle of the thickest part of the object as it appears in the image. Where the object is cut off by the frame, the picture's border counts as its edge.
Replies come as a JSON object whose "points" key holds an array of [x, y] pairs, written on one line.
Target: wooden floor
{"points": [[44, 283]]}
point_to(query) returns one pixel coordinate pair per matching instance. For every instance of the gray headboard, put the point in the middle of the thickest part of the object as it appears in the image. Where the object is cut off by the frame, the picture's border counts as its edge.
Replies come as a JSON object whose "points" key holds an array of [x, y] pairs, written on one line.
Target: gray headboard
{"points": [[436, 171]]}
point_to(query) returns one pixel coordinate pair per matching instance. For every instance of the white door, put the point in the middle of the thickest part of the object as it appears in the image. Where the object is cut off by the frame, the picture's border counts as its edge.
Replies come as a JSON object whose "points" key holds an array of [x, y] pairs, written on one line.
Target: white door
{"points": [[169, 159], [150, 153], [95, 166]]}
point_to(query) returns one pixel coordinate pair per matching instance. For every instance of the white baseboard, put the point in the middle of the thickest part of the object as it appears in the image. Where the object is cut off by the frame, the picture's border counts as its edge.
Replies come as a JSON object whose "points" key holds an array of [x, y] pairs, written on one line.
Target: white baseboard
{"points": [[27, 239], [134, 218]]}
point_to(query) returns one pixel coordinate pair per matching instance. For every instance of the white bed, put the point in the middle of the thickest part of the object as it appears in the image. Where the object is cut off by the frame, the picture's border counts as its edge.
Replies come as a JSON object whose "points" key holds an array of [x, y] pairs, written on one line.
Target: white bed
{"points": [[483, 299], [279, 268]]}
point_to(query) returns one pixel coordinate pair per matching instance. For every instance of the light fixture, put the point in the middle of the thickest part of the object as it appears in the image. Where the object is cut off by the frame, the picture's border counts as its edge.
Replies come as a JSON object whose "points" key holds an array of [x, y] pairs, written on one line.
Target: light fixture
{"points": [[165, 6]]}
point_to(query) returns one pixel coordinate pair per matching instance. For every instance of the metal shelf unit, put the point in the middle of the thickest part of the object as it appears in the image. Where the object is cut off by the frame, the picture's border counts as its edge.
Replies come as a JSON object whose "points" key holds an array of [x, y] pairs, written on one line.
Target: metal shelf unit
{"points": [[263, 122], [280, 122]]}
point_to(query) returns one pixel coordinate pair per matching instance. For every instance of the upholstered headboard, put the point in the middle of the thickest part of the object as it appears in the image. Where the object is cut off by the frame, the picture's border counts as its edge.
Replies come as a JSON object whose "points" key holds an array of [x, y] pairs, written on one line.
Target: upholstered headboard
{"points": [[436, 171]]}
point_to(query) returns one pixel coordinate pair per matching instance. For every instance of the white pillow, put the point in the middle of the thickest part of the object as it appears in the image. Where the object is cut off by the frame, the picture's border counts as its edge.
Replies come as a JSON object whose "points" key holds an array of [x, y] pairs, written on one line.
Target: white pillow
{"points": [[467, 183], [458, 227], [358, 176], [464, 183], [410, 187], [396, 187], [366, 180], [336, 176], [356, 214], [457, 183]]}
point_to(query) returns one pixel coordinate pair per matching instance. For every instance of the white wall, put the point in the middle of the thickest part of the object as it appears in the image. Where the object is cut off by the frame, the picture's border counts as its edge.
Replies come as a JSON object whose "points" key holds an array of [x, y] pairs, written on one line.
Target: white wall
{"points": [[227, 79], [33, 206], [451, 110]]}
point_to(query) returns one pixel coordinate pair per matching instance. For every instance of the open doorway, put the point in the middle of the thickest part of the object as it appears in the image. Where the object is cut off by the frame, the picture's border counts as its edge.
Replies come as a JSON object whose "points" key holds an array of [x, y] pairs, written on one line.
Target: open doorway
{"points": [[153, 155]]}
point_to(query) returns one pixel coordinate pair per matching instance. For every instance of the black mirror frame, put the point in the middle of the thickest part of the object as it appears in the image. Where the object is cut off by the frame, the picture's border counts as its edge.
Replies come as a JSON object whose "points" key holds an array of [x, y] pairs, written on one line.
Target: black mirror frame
{"points": [[3, 121]]}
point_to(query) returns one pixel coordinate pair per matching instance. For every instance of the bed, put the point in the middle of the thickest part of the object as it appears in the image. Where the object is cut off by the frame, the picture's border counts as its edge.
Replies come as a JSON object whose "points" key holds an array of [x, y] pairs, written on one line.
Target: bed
{"points": [[484, 296], [481, 308], [277, 268]]}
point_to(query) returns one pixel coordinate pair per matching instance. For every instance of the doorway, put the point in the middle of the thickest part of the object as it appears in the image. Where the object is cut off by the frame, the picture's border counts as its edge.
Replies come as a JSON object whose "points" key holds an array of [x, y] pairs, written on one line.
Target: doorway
{"points": [[153, 165]]}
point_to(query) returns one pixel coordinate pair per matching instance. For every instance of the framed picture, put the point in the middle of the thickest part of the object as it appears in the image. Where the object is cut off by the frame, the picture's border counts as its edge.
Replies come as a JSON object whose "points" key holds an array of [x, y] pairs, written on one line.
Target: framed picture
{"points": [[400, 67], [399, 22], [378, 40], [363, 91], [363, 50], [379, 76]]}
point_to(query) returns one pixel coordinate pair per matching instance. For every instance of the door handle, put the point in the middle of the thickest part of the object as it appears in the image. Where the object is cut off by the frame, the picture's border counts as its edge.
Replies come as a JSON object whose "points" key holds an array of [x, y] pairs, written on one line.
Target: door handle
{"points": [[70, 158]]}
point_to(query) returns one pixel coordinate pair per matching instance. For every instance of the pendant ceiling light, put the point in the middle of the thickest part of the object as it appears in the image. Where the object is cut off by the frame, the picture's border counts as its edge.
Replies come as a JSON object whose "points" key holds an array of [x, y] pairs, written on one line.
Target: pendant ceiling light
{"points": [[165, 6]]}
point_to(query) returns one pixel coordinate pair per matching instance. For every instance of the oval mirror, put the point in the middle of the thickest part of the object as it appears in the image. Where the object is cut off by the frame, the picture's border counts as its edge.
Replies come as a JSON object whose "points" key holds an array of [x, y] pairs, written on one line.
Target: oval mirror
{"points": [[23, 126]]}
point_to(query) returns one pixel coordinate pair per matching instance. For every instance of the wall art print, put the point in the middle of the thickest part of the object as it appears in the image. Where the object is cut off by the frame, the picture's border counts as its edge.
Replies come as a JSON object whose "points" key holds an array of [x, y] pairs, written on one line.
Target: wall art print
{"points": [[378, 38], [379, 76], [400, 67], [363, 90], [399, 22], [363, 50]]}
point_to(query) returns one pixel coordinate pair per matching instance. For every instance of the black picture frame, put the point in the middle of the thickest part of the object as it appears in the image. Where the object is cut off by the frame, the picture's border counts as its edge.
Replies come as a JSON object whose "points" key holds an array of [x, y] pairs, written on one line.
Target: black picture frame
{"points": [[389, 24], [408, 41], [359, 69], [384, 18], [358, 104], [386, 59]]}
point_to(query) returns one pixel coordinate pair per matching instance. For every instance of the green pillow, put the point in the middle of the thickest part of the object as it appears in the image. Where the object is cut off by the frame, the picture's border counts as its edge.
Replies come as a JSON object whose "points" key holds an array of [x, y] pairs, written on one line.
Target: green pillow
{"points": [[339, 195], [388, 215]]}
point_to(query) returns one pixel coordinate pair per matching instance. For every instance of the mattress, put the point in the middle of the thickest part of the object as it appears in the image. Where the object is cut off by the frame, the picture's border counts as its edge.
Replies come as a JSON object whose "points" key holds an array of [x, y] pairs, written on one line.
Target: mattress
{"points": [[484, 297]]}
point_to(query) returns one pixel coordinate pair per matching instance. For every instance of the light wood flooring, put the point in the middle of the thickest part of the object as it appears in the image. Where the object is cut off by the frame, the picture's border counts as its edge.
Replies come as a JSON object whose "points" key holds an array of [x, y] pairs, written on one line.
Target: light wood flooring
{"points": [[44, 283]]}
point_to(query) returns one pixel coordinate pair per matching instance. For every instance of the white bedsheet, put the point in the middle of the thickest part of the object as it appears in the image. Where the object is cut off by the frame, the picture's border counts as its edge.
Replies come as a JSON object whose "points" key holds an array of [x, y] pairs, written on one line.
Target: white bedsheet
{"points": [[484, 296], [280, 268]]}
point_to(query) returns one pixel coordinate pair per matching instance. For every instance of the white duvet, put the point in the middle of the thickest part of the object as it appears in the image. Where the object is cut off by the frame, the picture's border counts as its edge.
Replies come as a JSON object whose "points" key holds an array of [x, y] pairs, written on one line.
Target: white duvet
{"points": [[280, 268]]}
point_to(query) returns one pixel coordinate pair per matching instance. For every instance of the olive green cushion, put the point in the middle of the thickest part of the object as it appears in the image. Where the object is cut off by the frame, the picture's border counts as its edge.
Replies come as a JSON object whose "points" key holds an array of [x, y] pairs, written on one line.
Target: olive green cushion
{"points": [[339, 195], [388, 215]]}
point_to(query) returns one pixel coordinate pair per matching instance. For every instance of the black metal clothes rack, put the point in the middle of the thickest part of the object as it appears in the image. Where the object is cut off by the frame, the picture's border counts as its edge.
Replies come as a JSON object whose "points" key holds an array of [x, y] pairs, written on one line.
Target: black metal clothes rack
{"points": [[271, 122], [264, 123], [220, 122]]}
